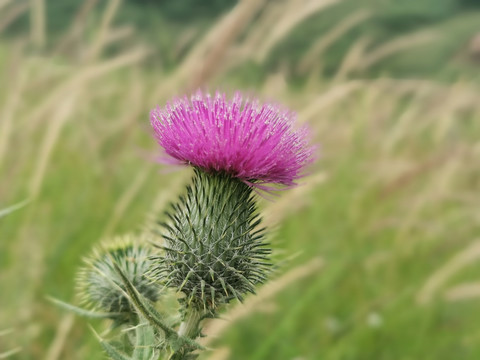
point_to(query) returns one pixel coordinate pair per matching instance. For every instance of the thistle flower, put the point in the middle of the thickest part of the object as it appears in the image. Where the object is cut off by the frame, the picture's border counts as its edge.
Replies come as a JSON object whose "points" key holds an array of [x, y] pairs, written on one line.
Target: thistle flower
{"points": [[100, 286], [214, 248], [255, 143]]}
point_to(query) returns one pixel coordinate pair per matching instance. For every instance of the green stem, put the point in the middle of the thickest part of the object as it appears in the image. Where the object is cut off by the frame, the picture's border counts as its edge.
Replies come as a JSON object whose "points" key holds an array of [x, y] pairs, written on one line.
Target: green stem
{"points": [[190, 325], [189, 328]]}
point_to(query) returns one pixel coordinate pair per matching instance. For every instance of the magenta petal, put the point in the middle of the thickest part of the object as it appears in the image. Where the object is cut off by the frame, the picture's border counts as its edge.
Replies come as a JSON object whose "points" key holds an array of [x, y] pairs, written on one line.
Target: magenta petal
{"points": [[253, 142]]}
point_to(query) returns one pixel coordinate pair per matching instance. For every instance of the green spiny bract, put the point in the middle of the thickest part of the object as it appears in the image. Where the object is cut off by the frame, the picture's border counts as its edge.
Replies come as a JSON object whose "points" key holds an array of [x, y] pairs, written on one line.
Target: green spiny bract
{"points": [[100, 286], [214, 249]]}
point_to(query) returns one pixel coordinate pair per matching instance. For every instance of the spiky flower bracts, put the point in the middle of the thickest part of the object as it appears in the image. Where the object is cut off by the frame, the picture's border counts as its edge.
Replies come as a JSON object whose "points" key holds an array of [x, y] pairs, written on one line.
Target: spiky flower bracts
{"points": [[215, 249]]}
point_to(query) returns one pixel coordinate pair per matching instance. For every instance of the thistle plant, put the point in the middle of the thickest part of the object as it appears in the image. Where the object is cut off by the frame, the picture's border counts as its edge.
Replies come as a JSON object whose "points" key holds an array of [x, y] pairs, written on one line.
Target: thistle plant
{"points": [[211, 249]]}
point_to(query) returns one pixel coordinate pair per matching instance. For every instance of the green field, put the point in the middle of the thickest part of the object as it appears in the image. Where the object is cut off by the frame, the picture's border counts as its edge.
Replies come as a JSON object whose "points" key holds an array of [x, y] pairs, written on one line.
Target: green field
{"points": [[378, 249]]}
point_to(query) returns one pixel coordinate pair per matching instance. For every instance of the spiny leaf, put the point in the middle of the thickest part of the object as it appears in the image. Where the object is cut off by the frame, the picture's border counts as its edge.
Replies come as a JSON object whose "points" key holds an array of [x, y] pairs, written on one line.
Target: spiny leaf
{"points": [[154, 317], [143, 306], [83, 312], [113, 352], [145, 339]]}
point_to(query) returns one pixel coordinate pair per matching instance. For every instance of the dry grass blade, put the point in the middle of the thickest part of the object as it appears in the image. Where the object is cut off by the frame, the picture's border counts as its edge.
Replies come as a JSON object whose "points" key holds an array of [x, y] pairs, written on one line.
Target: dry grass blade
{"points": [[407, 177], [280, 209], [440, 277], [351, 60], [467, 291], [216, 327], [9, 210], [222, 353], [62, 113], [77, 26], [294, 13], [439, 188], [185, 39], [275, 86], [255, 36], [241, 17], [12, 14], [402, 86], [61, 337], [395, 46], [102, 33], [329, 98], [16, 81], [117, 34], [80, 79], [174, 187], [126, 199], [202, 60], [6, 355], [311, 57], [6, 332], [405, 124], [37, 20], [4, 3]]}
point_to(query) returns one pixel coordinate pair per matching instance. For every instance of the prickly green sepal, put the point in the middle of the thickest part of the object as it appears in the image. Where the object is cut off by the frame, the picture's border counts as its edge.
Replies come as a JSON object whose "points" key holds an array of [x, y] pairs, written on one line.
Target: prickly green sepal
{"points": [[214, 249], [82, 312]]}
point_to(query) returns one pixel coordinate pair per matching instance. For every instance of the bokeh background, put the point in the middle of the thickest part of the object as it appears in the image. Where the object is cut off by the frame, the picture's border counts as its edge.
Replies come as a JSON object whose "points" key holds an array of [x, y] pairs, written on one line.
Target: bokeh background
{"points": [[379, 248]]}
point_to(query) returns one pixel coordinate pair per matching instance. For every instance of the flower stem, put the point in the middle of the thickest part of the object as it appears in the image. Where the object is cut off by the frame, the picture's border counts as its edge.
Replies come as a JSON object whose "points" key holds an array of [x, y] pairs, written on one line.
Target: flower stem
{"points": [[190, 325], [190, 328]]}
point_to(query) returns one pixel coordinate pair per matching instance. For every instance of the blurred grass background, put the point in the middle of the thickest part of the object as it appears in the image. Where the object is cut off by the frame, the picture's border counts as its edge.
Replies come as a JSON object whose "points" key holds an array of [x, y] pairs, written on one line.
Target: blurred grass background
{"points": [[381, 240]]}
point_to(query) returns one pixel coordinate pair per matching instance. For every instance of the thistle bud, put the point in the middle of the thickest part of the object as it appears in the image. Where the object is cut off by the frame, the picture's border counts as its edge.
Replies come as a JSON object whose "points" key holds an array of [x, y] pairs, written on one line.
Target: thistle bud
{"points": [[100, 286]]}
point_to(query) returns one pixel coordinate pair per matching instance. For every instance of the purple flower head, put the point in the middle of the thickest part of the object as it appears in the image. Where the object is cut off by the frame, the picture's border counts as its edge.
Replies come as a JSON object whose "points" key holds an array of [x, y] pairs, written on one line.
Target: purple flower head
{"points": [[250, 141]]}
